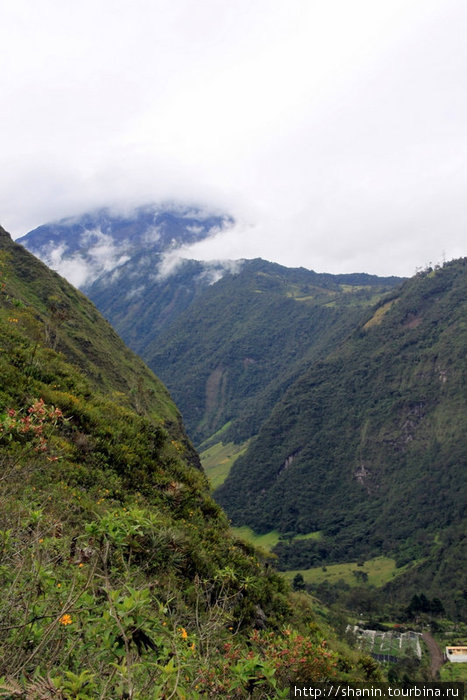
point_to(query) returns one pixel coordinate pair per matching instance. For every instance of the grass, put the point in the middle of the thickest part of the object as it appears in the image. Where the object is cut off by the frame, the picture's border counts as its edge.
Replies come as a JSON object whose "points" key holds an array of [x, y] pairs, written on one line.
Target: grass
{"points": [[377, 317], [380, 570], [218, 459], [316, 535], [267, 541], [213, 439], [456, 672]]}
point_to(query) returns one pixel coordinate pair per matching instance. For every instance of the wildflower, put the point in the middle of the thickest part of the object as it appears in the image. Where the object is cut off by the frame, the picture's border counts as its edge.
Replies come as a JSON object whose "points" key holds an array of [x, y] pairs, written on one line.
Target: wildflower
{"points": [[183, 633], [59, 585], [65, 620], [192, 646], [41, 540]]}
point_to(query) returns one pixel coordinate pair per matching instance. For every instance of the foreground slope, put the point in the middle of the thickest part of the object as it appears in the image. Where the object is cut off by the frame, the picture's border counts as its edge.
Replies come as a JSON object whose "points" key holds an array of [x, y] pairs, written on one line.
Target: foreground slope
{"points": [[69, 323], [118, 572], [369, 447]]}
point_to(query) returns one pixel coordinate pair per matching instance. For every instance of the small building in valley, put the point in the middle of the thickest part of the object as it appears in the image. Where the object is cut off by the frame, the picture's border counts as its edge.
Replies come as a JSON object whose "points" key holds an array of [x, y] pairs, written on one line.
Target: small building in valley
{"points": [[458, 654]]}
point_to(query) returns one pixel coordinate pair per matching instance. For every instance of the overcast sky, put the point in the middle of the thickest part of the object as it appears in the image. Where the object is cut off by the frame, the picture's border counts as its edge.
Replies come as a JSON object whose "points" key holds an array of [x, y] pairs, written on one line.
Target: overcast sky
{"points": [[334, 131]]}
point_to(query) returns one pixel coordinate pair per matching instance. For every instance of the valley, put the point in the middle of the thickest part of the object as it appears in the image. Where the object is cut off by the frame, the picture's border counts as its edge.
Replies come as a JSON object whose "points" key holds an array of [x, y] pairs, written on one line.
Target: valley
{"points": [[328, 411], [318, 402]]}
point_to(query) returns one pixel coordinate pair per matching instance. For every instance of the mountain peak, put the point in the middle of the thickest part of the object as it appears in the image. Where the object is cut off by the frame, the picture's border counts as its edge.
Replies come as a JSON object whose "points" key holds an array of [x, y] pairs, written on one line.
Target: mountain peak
{"points": [[83, 248]]}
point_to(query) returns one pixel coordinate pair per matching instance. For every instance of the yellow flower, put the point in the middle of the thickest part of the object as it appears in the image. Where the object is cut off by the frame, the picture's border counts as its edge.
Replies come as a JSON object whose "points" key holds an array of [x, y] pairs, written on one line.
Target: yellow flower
{"points": [[192, 647], [65, 620], [184, 633]]}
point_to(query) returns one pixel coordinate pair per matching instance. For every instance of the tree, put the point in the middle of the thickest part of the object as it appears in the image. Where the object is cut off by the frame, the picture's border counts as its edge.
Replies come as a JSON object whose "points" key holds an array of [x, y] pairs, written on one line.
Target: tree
{"points": [[298, 584]]}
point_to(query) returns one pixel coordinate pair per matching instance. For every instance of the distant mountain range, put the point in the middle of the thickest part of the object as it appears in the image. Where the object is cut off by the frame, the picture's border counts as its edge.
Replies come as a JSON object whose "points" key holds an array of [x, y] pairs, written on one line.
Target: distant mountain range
{"points": [[83, 248]]}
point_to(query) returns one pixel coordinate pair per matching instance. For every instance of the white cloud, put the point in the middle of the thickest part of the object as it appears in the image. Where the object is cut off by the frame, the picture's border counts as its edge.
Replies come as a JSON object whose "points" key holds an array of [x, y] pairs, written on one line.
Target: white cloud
{"points": [[102, 255], [135, 292], [334, 132], [75, 269], [169, 264], [152, 235]]}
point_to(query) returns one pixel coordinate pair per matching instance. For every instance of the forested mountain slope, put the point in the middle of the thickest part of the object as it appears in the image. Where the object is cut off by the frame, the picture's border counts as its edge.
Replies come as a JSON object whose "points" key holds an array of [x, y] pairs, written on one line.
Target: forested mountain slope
{"points": [[369, 446], [119, 575], [142, 303], [228, 358]]}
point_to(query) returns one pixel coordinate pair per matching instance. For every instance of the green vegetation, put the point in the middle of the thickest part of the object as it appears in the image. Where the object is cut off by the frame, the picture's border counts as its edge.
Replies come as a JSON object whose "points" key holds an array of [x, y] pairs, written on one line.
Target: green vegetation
{"points": [[250, 333], [119, 574], [454, 672], [266, 542], [269, 540], [250, 336], [317, 535], [217, 461], [367, 445], [376, 572]]}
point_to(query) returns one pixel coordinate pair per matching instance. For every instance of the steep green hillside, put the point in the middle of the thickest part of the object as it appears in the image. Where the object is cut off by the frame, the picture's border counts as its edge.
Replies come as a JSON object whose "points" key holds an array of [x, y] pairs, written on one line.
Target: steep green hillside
{"points": [[119, 575], [370, 445], [140, 304], [246, 337], [69, 323]]}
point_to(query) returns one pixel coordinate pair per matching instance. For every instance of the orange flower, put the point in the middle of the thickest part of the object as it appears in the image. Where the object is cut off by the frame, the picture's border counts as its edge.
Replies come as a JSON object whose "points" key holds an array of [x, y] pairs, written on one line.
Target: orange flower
{"points": [[184, 633], [65, 620]]}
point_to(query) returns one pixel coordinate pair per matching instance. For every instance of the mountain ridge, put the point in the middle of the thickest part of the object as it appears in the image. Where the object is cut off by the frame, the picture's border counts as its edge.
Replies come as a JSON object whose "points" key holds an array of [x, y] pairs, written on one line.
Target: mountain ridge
{"points": [[378, 425]]}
